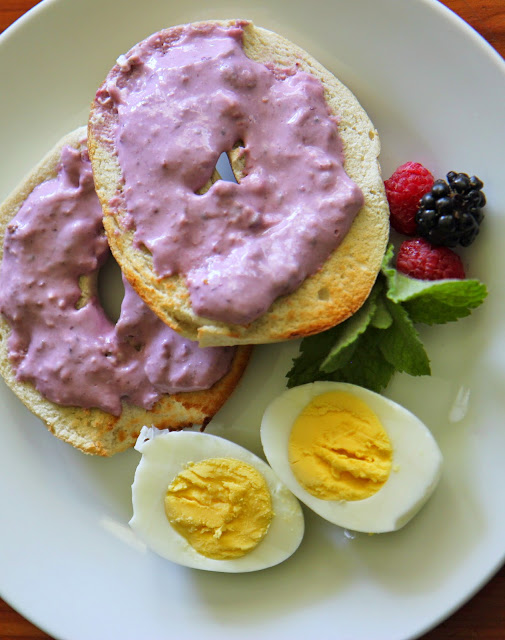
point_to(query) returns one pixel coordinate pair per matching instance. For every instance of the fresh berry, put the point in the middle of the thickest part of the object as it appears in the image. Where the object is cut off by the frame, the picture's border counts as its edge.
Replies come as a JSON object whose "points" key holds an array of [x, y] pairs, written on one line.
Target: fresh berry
{"points": [[419, 259], [404, 190], [451, 212]]}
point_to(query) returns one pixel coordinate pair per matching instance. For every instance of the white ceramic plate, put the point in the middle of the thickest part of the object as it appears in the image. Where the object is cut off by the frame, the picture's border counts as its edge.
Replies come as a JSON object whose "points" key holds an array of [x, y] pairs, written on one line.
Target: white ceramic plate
{"points": [[68, 560]]}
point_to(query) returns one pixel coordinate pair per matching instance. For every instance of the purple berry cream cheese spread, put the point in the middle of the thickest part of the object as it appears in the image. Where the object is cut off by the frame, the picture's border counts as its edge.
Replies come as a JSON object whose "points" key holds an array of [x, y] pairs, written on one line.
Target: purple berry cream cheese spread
{"points": [[181, 98], [70, 350]]}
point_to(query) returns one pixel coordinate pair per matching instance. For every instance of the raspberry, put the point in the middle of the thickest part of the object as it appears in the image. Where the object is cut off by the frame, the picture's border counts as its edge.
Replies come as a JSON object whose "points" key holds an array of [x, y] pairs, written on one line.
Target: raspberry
{"points": [[404, 190], [419, 259]]}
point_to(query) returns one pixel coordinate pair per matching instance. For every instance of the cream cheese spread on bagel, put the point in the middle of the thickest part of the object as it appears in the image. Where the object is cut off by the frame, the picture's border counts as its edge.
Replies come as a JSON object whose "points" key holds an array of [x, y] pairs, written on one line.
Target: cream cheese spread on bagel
{"points": [[221, 262], [62, 345]]}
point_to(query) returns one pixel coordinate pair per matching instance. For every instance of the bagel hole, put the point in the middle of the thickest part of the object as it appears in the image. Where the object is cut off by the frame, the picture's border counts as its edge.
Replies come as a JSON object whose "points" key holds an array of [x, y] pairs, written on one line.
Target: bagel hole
{"points": [[111, 288], [223, 167]]}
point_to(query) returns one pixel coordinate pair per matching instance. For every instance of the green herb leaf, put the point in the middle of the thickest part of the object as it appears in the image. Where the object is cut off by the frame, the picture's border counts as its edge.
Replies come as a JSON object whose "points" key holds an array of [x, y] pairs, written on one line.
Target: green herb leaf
{"points": [[400, 344], [367, 366], [313, 351], [349, 332], [445, 301], [381, 319]]}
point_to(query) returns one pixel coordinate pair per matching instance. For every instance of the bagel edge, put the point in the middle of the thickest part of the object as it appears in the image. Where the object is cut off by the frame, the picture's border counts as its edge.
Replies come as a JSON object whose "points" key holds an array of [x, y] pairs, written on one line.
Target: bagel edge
{"points": [[94, 431]]}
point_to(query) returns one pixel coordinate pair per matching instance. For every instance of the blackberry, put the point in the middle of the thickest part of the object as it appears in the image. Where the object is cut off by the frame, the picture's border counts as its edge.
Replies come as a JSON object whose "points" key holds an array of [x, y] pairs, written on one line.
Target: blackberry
{"points": [[451, 212]]}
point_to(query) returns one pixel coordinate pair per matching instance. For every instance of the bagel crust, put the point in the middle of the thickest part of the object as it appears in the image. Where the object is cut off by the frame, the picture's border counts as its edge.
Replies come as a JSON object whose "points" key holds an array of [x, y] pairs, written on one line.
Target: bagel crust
{"points": [[329, 296], [92, 430]]}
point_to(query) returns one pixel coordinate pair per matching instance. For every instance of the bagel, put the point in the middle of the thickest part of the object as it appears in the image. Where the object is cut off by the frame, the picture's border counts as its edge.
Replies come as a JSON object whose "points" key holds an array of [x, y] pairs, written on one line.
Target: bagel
{"points": [[325, 297], [92, 430]]}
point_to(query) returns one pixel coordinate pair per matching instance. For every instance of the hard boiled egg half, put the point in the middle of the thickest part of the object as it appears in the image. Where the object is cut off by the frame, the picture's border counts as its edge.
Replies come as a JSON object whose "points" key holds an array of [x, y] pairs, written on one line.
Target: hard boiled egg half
{"points": [[356, 458], [205, 502]]}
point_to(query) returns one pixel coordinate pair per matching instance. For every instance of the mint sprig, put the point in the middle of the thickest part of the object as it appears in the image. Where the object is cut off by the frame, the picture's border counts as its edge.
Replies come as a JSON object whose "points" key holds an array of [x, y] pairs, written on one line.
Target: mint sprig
{"points": [[381, 337]]}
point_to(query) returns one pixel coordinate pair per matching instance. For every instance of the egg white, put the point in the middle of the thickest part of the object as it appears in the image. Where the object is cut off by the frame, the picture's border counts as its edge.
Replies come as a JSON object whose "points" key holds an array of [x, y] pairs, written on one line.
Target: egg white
{"points": [[415, 471], [164, 455]]}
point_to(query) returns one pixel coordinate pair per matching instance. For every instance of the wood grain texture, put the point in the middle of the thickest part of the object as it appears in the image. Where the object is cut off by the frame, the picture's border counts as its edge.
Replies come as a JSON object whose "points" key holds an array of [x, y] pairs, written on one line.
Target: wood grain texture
{"points": [[483, 617]]}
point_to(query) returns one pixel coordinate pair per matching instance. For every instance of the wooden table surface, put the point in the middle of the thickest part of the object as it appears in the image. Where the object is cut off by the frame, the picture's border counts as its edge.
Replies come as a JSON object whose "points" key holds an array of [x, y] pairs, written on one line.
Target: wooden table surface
{"points": [[483, 618]]}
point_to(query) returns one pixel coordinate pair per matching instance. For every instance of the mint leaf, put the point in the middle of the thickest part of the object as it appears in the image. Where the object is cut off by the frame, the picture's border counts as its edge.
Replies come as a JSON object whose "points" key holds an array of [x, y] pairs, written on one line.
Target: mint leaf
{"points": [[349, 332], [313, 351], [400, 344], [367, 366], [445, 301], [381, 318], [388, 258]]}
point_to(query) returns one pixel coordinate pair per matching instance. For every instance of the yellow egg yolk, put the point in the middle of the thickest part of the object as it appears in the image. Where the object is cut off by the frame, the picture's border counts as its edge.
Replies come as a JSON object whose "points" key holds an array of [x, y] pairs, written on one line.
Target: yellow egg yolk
{"points": [[221, 506], [338, 449]]}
